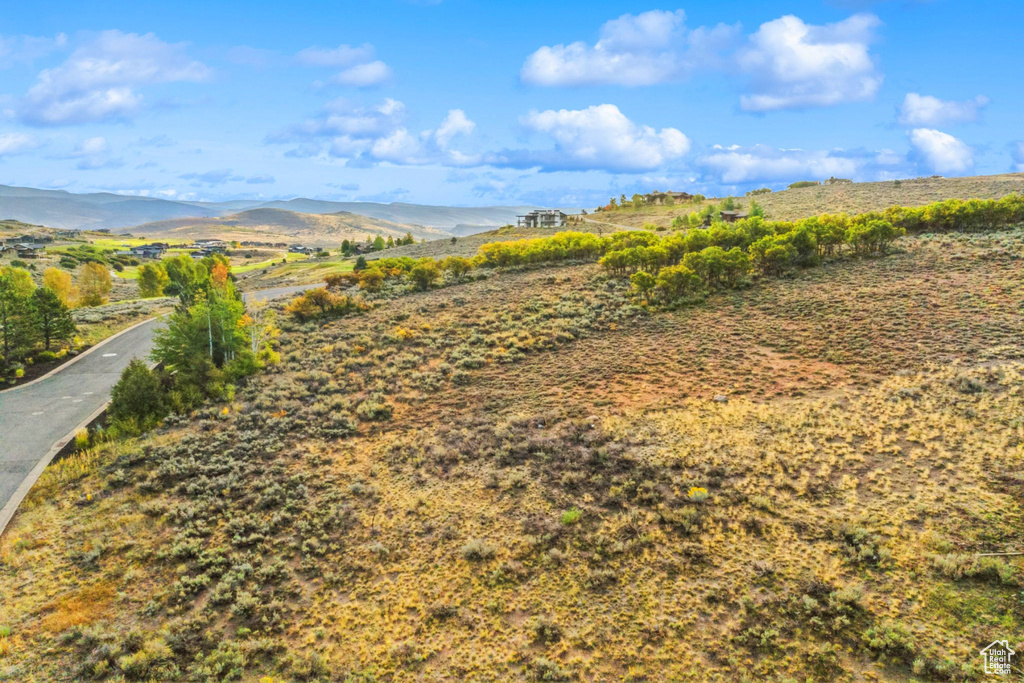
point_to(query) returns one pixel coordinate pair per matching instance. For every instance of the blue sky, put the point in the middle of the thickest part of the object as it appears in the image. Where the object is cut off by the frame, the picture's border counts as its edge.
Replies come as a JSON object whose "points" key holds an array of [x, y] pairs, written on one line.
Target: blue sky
{"points": [[475, 103]]}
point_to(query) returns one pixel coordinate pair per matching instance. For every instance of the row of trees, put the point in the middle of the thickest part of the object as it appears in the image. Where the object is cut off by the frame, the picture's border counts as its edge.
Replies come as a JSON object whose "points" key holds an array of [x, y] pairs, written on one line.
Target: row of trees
{"points": [[31, 319], [378, 243]]}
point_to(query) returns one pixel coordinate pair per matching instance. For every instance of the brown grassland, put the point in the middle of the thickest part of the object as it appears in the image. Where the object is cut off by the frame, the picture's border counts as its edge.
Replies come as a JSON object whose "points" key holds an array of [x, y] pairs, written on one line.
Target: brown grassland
{"points": [[531, 477], [851, 198]]}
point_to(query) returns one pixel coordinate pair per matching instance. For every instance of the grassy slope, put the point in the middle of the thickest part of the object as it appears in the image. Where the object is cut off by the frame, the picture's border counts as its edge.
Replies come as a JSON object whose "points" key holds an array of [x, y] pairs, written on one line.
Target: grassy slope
{"points": [[872, 431], [850, 198]]}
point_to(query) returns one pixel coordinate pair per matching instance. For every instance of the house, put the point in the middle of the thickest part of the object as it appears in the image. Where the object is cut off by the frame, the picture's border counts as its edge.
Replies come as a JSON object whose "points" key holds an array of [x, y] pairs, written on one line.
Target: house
{"points": [[545, 218], [660, 198], [733, 216], [155, 250], [29, 250], [997, 658]]}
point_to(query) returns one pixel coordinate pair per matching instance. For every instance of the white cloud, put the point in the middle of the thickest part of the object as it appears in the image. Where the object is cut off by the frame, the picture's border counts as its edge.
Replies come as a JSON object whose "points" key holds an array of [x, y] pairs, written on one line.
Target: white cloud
{"points": [[942, 152], [737, 165], [99, 80], [366, 135], [797, 65], [343, 55], [644, 49], [359, 68], [456, 123], [596, 138], [17, 143], [925, 110], [93, 153], [1017, 154], [364, 75], [26, 49]]}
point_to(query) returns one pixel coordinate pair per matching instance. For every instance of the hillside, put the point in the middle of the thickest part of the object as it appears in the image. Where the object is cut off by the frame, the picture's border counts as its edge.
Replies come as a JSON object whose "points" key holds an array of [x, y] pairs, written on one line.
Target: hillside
{"points": [[273, 224], [530, 476], [851, 198]]}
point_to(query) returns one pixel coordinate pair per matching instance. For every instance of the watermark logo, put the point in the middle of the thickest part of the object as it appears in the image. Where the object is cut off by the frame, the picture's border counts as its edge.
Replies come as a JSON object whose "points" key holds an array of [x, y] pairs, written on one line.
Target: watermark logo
{"points": [[997, 658]]}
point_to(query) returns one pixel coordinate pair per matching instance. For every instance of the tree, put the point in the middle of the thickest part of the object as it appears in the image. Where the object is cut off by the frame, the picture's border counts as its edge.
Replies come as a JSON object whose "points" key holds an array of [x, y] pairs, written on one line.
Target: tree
{"points": [[456, 266], [50, 316], [378, 243], [257, 326], [346, 247], [408, 239], [676, 282], [390, 244], [321, 304], [371, 279], [454, 239], [15, 327], [643, 283], [425, 273], [20, 280], [360, 264], [59, 281], [94, 284], [138, 400], [152, 280]]}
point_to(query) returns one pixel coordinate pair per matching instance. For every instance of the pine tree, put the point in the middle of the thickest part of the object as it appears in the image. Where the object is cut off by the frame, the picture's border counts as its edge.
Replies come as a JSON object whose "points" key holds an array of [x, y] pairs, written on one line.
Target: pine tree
{"points": [[50, 316]]}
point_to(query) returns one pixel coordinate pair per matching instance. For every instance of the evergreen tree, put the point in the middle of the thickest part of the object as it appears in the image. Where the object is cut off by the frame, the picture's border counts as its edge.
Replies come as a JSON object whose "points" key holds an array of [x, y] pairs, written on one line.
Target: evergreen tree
{"points": [[51, 318], [346, 247], [15, 327], [137, 401], [360, 264]]}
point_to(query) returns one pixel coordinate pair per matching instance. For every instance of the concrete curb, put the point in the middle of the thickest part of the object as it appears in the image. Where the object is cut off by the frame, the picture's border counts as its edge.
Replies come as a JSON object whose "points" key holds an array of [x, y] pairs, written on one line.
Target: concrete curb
{"points": [[64, 366], [7, 513]]}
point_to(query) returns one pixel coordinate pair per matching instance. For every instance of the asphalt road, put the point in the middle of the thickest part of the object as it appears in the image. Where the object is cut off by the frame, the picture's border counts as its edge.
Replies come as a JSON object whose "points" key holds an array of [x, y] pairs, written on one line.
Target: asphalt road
{"points": [[37, 419]]}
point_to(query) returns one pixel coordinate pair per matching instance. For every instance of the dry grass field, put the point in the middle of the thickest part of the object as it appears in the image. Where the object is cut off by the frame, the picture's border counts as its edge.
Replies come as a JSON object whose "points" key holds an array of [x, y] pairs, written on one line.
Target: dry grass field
{"points": [[852, 198], [531, 477]]}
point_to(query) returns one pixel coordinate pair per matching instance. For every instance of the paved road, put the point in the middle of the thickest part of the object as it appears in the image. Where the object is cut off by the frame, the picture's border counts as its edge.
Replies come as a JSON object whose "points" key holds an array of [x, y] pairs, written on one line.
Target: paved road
{"points": [[37, 419]]}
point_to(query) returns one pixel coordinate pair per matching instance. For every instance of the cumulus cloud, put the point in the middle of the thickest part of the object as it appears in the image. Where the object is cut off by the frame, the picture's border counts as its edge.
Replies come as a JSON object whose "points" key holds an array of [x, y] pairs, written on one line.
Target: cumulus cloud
{"points": [[941, 152], [363, 135], [596, 138], [925, 110], [100, 80], [789, 63], [359, 68], [93, 153], [17, 143], [737, 165], [797, 65], [644, 49]]}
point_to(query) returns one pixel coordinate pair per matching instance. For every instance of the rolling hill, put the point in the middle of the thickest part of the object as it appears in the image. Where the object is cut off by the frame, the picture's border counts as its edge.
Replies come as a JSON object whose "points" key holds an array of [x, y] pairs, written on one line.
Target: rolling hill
{"points": [[99, 210], [271, 224]]}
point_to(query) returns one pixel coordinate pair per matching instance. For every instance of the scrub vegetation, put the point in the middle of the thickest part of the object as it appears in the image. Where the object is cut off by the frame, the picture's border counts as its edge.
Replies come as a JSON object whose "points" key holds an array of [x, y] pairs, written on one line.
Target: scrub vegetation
{"points": [[543, 470]]}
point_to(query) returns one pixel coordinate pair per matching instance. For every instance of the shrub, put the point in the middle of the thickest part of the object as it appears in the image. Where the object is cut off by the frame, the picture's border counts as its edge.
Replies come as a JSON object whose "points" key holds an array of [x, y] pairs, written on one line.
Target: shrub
{"points": [[477, 550], [572, 516], [322, 304]]}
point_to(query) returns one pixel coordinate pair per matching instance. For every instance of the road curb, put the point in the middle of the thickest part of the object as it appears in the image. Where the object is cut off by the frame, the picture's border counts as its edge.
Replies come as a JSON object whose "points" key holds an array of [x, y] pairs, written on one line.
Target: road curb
{"points": [[8, 511], [64, 366]]}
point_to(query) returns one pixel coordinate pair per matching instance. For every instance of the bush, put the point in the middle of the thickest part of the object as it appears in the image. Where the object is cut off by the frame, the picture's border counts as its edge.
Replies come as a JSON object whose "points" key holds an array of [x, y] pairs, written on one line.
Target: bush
{"points": [[477, 550], [138, 400], [322, 304]]}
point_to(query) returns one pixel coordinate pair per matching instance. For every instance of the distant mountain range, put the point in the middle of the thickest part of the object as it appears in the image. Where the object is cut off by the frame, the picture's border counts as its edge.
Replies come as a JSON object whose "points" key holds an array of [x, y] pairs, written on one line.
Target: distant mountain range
{"points": [[277, 225], [98, 210]]}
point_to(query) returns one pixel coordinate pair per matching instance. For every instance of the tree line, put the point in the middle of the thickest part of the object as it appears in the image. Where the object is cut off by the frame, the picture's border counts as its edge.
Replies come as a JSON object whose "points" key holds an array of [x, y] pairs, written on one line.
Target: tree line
{"points": [[35, 321]]}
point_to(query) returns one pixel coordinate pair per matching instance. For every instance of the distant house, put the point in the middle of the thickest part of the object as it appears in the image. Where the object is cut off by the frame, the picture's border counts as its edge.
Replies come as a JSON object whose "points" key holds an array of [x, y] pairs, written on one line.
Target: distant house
{"points": [[29, 250], [155, 250], [733, 216], [545, 218], [659, 198], [299, 249]]}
